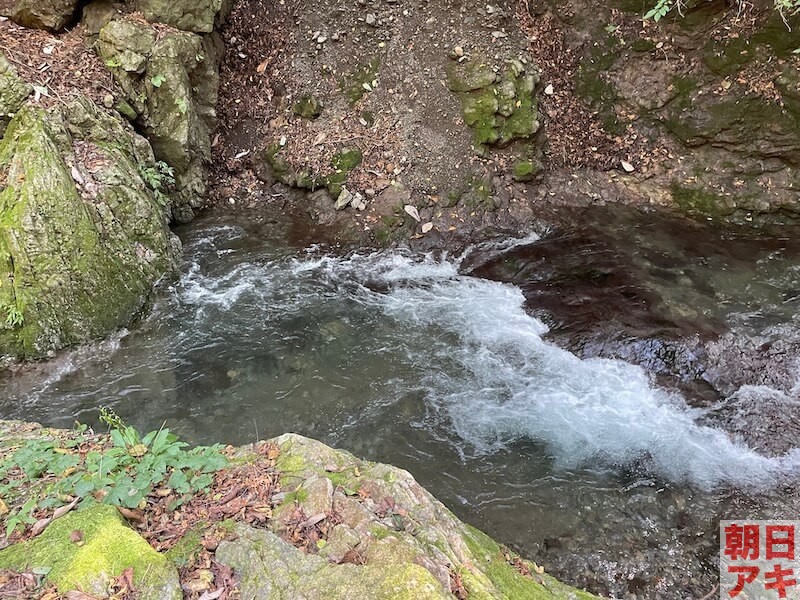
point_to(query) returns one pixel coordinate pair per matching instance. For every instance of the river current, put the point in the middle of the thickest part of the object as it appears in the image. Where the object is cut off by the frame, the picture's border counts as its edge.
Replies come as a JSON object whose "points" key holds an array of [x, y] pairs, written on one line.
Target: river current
{"points": [[611, 474]]}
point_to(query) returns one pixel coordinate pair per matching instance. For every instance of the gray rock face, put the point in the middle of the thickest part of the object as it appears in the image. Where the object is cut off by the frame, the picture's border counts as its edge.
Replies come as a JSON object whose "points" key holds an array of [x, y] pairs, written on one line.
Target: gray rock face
{"points": [[13, 92], [53, 15], [188, 15], [171, 84], [79, 217]]}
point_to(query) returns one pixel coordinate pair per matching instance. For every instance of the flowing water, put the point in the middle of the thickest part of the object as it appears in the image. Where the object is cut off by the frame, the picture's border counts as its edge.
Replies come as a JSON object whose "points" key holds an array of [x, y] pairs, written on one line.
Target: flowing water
{"points": [[519, 417]]}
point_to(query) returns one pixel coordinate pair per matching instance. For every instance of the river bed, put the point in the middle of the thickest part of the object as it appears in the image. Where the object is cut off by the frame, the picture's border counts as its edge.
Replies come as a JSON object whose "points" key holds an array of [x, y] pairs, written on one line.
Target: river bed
{"points": [[594, 399]]}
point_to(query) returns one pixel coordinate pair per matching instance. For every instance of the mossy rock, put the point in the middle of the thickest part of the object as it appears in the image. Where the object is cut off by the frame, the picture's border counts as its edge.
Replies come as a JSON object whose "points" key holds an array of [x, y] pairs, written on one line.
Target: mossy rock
{"points": [[171, 84], [53, 15], [200, 16], [408, 554], [526, 170], [699, 202], [76, 216], [500, 109], [363, 77], [107, 548], [13, 92]]}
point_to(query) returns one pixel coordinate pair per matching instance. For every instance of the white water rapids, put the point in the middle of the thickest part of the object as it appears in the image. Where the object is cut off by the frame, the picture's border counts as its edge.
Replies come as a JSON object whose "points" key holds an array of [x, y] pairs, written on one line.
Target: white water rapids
{"points": [[486, 368]]}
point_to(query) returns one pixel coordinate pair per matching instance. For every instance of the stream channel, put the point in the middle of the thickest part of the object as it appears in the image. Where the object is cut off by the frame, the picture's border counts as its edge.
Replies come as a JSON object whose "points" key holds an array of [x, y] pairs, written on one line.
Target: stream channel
{"points": [[596, 397]]}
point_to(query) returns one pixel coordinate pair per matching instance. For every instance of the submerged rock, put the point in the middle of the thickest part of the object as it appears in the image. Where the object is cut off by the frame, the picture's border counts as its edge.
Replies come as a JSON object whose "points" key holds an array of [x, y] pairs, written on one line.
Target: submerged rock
{"points": [[84, 237]]}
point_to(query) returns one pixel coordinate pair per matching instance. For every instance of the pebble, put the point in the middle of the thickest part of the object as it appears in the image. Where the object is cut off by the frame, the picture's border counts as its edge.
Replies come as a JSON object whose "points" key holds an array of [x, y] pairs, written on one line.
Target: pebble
{"points": [[371, 19]]}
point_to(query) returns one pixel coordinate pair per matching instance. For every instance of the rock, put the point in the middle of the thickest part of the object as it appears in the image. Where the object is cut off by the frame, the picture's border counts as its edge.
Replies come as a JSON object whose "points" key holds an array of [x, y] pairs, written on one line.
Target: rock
{"points": [[308, 107], [344, 199], [97, 14], [53, 15], [371, 20], [189, 15], [79, 215], [13, 92], [108, 547], [177, 115], [409, 542]]}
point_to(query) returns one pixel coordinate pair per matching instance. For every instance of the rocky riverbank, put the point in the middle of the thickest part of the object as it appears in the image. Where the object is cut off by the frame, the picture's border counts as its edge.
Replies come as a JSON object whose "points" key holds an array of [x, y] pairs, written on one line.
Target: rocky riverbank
{"points": [[289, 517]]}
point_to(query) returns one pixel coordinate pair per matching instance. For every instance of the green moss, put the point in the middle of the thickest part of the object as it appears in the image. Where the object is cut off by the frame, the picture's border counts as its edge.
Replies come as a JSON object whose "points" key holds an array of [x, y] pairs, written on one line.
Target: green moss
{"points": [[643, 45], [697, 201], [506, 580], [362, 78], [499, 111], [525, 170], [342, 162], [308, 107], [728, 56], [187, 549], [108, 547]]}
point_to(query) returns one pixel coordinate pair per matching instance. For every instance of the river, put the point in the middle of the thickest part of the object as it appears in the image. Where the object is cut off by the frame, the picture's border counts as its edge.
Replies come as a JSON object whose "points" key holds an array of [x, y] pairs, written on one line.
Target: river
{"points": [[597, 398]]}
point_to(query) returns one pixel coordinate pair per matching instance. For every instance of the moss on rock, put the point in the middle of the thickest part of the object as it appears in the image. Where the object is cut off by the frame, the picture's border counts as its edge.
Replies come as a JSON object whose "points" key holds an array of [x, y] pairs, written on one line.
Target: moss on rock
{"points": [[107, 548], [76, 217], [500, 109]]}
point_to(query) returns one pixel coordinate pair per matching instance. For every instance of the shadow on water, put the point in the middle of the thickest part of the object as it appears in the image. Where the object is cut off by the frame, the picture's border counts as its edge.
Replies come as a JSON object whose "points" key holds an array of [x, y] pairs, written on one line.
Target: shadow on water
{"points": [[577, 459]]}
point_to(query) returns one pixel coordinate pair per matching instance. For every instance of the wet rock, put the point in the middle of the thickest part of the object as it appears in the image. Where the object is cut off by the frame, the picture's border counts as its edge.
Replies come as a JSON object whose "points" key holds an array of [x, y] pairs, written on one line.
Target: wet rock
{"points": [[80, 215], [53, 15]]}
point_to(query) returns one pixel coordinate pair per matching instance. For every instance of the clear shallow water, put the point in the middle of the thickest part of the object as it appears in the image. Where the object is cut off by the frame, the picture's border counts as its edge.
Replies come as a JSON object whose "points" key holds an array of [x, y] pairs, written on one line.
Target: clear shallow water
{"points": [[583, 464]]}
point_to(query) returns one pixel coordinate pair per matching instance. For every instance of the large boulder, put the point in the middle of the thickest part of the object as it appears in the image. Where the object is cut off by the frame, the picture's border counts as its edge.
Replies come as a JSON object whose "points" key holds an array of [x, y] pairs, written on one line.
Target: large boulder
{"points": [[84, 235], [188, 15], [171, 82], [53, 15], [388, 538]]}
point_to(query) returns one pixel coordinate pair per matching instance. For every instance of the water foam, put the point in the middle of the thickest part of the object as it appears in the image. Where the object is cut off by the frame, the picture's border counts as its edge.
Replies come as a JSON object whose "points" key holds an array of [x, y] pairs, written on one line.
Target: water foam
{"points": [[487, 371], [509, 384]]}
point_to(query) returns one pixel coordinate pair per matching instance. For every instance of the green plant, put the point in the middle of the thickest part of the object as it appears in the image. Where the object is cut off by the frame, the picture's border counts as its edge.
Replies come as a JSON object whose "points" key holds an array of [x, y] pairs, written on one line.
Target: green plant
{"points": [[14, 317], [158, 178], [158, 80], [182, 106], [121, 469], [660, 10]]}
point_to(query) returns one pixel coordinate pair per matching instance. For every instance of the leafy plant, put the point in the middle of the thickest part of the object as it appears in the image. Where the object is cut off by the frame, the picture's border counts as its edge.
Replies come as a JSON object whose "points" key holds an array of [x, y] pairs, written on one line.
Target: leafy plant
{"points": [[182, 106], [14, 316], [158, 178], [158, 80], [121, 469], [660, 10]]}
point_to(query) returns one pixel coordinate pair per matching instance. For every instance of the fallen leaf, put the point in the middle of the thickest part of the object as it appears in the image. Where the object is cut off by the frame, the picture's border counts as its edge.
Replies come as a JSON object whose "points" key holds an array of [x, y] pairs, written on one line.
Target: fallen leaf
{"points": [[75, 536], [412, 210], [262, 66], [427, 227]]}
